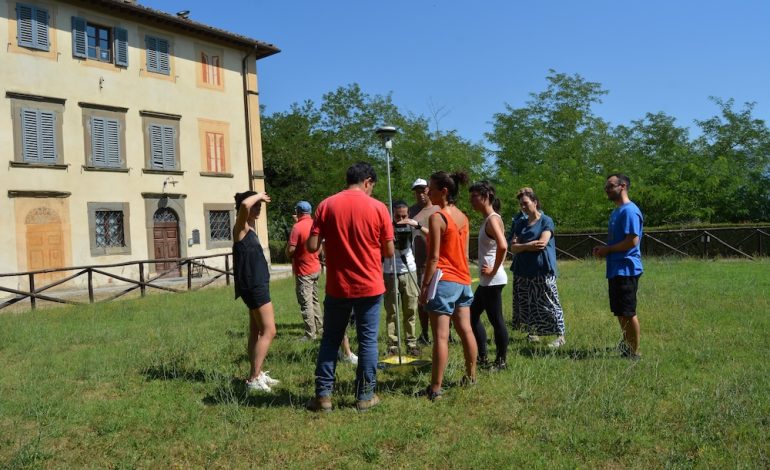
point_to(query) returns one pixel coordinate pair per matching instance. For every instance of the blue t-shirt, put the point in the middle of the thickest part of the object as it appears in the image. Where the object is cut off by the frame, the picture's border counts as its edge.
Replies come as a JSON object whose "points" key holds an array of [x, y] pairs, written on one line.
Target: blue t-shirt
{"points": [[625, 220], [535, 263]]}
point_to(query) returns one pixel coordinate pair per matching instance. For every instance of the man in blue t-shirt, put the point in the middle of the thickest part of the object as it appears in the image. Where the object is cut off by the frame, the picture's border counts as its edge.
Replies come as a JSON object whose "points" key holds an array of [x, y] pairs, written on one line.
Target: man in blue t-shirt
{"points": [[624, 260]]}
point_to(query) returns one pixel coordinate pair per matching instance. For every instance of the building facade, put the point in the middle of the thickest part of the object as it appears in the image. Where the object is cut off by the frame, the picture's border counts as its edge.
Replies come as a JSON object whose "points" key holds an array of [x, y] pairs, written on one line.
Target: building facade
{"points": [[127, 131]]}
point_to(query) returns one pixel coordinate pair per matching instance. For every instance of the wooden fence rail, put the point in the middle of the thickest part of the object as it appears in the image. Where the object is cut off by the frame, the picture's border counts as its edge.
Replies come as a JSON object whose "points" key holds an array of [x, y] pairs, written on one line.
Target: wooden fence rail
{"points": [[195, 265]]}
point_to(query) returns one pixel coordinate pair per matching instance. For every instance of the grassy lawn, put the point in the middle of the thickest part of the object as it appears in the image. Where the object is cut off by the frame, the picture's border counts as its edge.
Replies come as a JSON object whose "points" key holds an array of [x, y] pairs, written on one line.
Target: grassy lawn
{"points": [[157, 382]]}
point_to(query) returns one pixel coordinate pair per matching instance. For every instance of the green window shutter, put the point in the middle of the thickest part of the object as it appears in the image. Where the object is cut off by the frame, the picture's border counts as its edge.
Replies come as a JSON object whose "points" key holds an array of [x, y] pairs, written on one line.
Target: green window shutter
{"points": [[41, 29], [156, 146], [112, 143], [47, 136], [97, 142], [152, 53], [169, 148], [79, 39], [24, 30], [29, 135], [121, 47]]}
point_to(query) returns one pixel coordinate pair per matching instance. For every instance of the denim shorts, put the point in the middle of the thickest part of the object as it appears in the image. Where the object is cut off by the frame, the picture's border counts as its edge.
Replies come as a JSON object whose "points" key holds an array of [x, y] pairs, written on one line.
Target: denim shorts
{"points": [[449, 296]]}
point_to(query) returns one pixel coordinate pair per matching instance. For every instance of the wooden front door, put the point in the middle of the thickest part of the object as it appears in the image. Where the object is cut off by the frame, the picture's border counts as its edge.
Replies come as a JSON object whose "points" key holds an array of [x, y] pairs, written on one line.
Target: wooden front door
{"points": [[166, 240], [45, 245]]}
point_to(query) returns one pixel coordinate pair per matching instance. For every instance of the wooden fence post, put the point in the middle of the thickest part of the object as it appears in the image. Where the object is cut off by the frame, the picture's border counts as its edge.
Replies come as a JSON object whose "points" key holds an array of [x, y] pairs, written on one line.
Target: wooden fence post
{"points": [[32, 298], [90, 285], [189, 274], [141, 278], [227, 269]]}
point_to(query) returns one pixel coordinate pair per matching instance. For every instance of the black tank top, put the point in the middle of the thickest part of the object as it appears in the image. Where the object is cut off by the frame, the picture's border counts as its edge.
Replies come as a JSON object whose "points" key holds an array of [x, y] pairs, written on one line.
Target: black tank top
{"points": [[249, 264]]}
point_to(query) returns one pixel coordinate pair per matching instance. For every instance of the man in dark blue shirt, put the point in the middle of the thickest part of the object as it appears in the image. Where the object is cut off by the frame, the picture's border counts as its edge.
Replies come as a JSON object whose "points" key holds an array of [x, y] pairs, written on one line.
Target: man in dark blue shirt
{"points": [[624, 260]]}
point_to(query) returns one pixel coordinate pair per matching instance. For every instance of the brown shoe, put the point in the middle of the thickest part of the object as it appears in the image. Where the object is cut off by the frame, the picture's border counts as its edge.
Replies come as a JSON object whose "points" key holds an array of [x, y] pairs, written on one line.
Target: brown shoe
{"points": [[366, 405], [319, 404], [414, 351]]}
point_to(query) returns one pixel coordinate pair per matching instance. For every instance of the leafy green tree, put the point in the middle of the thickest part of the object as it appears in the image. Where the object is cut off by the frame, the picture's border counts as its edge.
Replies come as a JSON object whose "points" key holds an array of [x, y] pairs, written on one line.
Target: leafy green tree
{"points": [[553, 145], [308, 149], [737, 148]]}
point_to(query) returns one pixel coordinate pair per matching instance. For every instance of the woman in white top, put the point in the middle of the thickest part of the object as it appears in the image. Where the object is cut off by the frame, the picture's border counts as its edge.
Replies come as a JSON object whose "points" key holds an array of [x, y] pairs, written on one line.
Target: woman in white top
{"points": [[492, 279]]}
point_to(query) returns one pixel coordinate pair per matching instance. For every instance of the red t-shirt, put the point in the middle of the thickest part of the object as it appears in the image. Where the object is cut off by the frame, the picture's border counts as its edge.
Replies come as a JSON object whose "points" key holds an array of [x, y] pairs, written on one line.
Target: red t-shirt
{"points": [[353, 226], [303, 262]]}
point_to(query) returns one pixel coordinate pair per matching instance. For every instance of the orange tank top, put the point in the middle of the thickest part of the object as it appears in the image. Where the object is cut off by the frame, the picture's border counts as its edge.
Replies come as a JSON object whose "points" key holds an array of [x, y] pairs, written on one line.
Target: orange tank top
{"points": [[451, 255]]}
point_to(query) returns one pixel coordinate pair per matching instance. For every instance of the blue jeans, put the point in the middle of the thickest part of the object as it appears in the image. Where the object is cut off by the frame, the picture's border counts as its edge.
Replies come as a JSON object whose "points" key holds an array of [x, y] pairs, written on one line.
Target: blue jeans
{"points": [[336, 316]]}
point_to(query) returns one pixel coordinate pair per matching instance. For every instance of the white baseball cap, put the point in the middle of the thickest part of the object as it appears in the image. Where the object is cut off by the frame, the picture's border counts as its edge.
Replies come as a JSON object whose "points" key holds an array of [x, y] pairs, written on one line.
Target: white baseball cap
{"points": [[419, 182]]}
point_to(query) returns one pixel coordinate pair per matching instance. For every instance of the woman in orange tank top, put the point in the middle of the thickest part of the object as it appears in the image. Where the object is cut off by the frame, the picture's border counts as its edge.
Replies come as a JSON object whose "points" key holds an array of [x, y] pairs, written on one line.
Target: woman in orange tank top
{"points": [[448, 252]]}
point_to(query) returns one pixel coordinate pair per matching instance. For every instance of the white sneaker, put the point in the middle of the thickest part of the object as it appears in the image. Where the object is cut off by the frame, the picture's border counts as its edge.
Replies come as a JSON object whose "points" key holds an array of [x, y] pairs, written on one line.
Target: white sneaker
{"points": [[268, 380], [353, 359], [533, 338], [259, 384], [557, 343]]}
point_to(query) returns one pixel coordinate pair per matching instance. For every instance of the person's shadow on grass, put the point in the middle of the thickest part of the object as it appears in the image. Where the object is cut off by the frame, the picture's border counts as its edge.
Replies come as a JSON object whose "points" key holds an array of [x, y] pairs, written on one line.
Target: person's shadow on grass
{"points": [[576, 354]]}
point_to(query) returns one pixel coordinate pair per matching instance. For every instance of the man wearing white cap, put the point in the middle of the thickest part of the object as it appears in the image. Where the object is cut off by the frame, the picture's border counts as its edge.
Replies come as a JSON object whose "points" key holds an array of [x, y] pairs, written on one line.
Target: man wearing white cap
{"points": [[420, 212]]}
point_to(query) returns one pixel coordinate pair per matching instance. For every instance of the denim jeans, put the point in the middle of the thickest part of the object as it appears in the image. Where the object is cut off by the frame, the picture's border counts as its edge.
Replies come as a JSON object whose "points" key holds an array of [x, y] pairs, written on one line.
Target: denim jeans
{"points": [[336, 316]]}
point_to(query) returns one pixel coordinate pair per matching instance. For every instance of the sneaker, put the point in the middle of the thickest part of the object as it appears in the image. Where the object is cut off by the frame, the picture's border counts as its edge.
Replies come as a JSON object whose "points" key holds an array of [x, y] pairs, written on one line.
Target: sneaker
{"points": [[366, 405], [414, 351], [557, 343], [433, 396], [267, 379], [467, 381], [423, 339], [533, 338], [352, 359], [319, 404], [392, 351], [499, 365], [625, 351], [258, 384]]}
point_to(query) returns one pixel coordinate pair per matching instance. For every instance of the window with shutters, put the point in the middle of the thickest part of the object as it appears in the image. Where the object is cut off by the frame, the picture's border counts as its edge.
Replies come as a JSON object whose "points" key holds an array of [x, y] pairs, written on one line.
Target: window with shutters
{"points": [[162, 139], [91, 41], [38, 136], [105, 137], [32, 27], [158, 55], [105, 143], [37, 130], [108, 224]]}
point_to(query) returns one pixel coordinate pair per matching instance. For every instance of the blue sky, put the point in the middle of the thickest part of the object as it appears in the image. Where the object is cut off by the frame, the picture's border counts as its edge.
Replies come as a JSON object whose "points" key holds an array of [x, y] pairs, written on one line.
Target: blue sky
{"points": [[468, 59]]}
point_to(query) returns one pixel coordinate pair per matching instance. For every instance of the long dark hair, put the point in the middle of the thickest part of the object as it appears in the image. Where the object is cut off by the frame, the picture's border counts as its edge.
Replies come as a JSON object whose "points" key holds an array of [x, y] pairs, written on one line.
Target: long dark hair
{"points": [[487, 191], [450, 181]]}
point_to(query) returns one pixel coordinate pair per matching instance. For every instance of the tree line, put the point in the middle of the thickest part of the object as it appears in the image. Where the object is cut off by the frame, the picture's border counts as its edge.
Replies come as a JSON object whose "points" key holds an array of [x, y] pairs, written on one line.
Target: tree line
{"points": [[555, 143]]}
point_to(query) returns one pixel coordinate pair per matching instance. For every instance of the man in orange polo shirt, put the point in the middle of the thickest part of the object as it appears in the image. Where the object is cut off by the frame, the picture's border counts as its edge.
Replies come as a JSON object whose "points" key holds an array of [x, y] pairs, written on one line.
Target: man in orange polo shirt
{"points": [[307, 269]]}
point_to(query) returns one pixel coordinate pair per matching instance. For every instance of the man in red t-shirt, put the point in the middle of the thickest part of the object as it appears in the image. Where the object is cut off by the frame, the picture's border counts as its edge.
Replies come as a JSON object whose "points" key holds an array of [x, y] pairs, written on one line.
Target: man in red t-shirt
{"points": [[357, 232], [307, 269]]}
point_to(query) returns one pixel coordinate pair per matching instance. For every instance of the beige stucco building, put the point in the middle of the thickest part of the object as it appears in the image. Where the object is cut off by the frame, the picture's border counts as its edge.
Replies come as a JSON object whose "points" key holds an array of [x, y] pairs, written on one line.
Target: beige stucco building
{"points": [[126, 131]]}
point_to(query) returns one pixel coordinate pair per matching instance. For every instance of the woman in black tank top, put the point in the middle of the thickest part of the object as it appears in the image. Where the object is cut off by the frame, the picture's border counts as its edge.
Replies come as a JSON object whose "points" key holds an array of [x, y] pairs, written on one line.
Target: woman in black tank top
{"points": [[252, 278]]}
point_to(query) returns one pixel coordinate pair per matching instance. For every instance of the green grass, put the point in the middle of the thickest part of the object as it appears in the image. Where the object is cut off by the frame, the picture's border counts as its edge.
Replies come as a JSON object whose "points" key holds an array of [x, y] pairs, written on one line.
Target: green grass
{"points": [[157, 382]]}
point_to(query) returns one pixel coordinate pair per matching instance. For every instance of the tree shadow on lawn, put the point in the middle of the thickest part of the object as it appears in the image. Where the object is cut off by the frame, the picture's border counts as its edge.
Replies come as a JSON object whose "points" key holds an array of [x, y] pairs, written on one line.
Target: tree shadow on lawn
{"points": [[577, 354]]}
